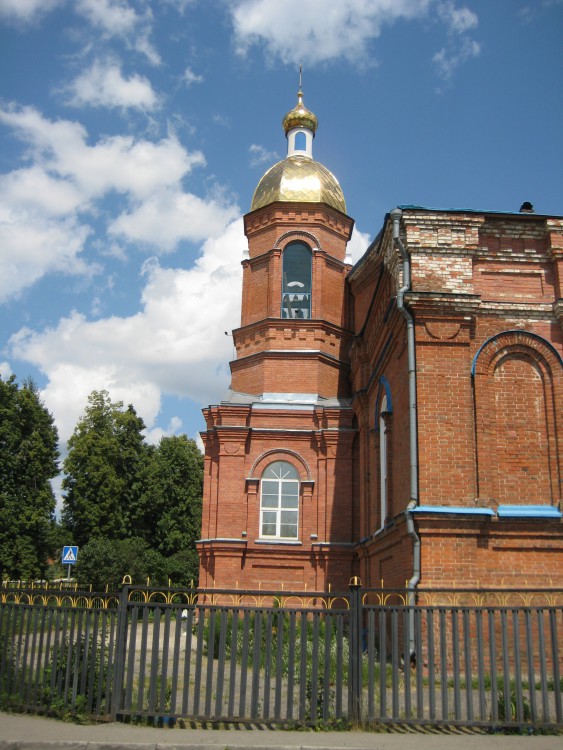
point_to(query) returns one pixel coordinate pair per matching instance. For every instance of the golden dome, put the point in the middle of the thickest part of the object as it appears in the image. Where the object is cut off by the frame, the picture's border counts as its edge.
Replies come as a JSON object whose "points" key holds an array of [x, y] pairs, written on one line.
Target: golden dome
{"points": [[300, 117], [299, 179]]}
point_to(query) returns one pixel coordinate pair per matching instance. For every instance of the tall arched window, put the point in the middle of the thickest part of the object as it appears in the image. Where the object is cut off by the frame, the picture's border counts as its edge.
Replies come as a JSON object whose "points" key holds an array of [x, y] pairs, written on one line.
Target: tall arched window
{"points": [[296, 285], [279, 501], [383, 471]]}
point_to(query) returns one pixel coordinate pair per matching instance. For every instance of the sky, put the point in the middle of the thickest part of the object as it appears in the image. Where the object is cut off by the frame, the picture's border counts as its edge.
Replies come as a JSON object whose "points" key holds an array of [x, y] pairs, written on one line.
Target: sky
{"points": [[134, 132]]}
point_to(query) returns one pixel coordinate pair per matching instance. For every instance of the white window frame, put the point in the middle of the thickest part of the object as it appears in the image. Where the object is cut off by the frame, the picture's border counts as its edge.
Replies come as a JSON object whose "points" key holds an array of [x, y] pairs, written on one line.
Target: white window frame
{"points": [[282, 480]]}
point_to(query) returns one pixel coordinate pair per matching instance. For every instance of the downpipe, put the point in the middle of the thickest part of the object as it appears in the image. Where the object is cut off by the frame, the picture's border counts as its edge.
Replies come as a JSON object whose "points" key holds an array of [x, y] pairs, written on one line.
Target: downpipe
{"points": [[396, 215]]}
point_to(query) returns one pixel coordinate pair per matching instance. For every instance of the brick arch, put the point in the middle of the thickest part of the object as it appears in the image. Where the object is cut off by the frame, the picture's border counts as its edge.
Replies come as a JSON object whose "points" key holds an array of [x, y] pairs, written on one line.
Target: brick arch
{"points": [[515, 340], [281, 452], [518, 397], [295, 234]]}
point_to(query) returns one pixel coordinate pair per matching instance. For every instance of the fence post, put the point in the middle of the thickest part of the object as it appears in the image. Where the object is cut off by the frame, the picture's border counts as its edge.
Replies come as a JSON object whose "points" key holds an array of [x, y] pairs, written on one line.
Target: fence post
{"points": [[119, 656], [355, 689]]}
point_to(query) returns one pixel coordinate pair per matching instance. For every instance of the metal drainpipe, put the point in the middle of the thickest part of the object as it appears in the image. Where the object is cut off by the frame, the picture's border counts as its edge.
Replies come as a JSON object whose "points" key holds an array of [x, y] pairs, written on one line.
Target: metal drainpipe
{"points": [[396, 215]]}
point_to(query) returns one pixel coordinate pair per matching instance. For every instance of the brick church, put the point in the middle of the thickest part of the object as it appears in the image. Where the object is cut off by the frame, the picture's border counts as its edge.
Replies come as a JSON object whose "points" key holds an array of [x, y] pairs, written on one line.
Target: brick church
{"points": [[399, 419]]}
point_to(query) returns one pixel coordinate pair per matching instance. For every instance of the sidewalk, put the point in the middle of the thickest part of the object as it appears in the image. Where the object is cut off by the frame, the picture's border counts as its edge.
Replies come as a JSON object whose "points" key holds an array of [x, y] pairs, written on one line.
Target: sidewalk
{"points": [[23, 732]]}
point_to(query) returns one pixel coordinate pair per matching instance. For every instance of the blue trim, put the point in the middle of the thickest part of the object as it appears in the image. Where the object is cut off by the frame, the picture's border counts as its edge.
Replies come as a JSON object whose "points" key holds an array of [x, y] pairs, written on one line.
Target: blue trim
{"points": [[528, 511], [514, 330], [449, 510]]}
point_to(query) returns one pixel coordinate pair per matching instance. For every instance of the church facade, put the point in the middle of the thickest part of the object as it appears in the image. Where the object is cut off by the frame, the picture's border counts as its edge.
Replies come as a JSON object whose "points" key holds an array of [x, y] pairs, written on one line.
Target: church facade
{"points": [[399, 419]]}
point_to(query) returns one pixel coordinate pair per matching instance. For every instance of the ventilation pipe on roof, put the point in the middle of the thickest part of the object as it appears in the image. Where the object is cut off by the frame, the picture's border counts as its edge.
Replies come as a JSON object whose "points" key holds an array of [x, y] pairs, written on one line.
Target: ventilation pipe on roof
{"points": [[396, 215]]}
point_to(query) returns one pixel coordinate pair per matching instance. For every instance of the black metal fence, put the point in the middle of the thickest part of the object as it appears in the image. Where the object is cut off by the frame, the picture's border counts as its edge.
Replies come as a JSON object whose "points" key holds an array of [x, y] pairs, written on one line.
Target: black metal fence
{"points": [[365, 656]]}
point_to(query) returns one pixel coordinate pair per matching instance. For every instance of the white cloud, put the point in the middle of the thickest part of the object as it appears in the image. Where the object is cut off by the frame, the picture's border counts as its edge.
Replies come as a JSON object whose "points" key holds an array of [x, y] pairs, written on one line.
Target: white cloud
{"points": [[155, 435], [32, 246], [118, 18], [121, 163], [174, 345], [103, 85], [314, 31], [449, 58], [358, 244], [5, 370], [43, 207], [259, 155], [460, 47], [113, 16], [27, 11], [169, 216], [34, 189], [457, 20], [190, 77]]}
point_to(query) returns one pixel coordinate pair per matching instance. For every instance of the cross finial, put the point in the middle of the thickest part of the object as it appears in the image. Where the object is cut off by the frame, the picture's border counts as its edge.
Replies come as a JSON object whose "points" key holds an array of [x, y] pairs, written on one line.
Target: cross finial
{"points": [[300, 75]]}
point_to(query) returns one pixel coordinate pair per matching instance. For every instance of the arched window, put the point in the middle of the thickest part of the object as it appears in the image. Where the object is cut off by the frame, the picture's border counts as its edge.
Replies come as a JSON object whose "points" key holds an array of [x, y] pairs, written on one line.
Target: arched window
{"points": [[279, 501], [300, 141], [296, 285], [383, 470]]}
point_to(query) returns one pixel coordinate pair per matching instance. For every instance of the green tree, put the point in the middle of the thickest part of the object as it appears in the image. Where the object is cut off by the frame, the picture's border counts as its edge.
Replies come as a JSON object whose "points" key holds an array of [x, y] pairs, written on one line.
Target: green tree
{"points": [[28, 460], [104, 562], [104, 468], [169, 513]]}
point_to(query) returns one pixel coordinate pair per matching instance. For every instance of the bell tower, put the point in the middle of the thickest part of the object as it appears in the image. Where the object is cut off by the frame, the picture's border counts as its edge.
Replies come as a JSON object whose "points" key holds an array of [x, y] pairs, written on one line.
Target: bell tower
{"points": [[279, 449]]}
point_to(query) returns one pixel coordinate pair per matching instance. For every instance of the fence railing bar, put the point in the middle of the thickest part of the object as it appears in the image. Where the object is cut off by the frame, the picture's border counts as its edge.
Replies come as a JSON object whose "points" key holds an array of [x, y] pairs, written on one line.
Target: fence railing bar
{"points": [[505, 666], [328, 640], [395, 661], [91, 654], [255, 689], [431, 664], [556, 659], [530, 664], [211, 626], [303, 666], [291, 663], [221, 655], [200, 642], [164, 707], [517, 668], [189, 624], [268, 665], [233, 662], [419, 663], [456, 667], [443, 664], [280, 621], [339, 665], [467, 655], [493, 664], [406, 659], [480, 664], [244, 662]]}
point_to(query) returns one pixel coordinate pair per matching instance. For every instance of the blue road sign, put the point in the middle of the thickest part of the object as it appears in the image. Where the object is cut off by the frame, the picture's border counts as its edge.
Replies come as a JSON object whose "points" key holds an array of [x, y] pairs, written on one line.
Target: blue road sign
{"points": [[70, 555]]}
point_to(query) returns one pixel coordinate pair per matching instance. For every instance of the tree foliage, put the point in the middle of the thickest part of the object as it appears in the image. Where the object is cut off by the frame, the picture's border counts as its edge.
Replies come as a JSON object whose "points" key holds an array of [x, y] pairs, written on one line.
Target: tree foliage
{"points": [[106, 456], [132, 508], [28, 460]]}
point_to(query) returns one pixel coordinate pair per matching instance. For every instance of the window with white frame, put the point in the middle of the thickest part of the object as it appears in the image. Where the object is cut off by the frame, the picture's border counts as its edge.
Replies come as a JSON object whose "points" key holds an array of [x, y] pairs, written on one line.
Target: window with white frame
{"points": [[279, 501]]}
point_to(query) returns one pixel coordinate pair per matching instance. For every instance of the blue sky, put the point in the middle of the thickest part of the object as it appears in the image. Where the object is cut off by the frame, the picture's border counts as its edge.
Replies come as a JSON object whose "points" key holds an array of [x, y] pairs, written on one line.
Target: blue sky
{"points": [[133, 134]]}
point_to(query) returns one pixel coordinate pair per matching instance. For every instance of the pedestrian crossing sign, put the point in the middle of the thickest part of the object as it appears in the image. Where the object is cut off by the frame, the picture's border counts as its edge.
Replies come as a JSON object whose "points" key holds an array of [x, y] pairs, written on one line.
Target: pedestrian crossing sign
{"points": [[70, 555]]}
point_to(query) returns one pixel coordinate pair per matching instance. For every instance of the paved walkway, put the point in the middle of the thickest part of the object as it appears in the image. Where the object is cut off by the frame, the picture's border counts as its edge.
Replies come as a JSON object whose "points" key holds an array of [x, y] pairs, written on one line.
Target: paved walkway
{"points": [[23, 732]]}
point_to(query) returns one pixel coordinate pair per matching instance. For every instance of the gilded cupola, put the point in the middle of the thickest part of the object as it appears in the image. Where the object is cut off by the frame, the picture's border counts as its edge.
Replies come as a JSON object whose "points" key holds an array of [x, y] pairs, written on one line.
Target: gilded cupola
{"points": [[299, 178]]}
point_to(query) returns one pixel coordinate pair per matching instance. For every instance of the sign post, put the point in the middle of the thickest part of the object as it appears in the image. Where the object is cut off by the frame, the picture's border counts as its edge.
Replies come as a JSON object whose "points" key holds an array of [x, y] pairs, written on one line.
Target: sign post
{"points": [[69, 557]]}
